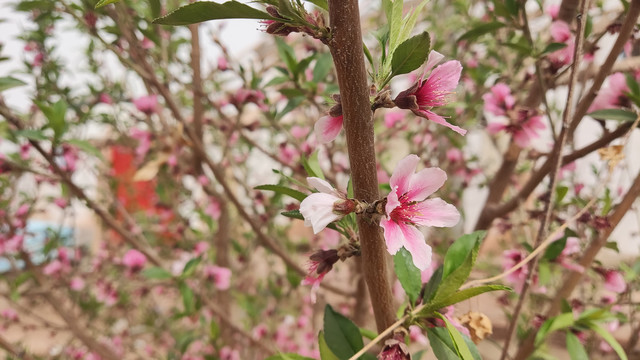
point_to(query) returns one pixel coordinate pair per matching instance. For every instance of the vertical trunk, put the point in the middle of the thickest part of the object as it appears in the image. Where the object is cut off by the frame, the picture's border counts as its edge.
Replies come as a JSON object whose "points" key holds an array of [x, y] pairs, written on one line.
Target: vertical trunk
{"points": [[346, 48]]}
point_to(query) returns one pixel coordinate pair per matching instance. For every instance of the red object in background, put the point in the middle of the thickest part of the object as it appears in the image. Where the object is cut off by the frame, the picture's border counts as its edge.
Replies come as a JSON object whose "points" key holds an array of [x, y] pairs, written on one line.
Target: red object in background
{"points": [[133, 195]]}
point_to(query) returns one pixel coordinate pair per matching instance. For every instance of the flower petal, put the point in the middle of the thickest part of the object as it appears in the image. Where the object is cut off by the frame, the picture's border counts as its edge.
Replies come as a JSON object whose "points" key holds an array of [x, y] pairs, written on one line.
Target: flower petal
{"points": [[327, 128], [401, 177], [415, 244], [425, 182], [439, 120], [322, 186], [392, 235], [434, 58], [392, 201], [435, 212], [317, 210]]}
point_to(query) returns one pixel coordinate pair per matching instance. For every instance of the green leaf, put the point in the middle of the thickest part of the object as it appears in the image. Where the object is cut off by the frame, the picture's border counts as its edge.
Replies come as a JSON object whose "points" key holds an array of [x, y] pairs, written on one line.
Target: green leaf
{"points": [[156, 8], [460, 251], [615, 345], [444, 348], [555, 249], [324, 63], [293, 277], [190, 267], [369, 334], [188, 299], [289, 356], [102, 3], [342, 336], [612, 245], [9, 82], [561, 192], [432, 286], [395, 24], [614, 114], [56, 116], [325, 352], [37, 135], [559, 322], [207, 10], [484, 28], [553, 47], [156, 273], [279, 189], [408, 274], [575, 348], [461, 296], [458, 263], [312, 166], [86, 147], [410, 54], [322, 4], [458, 341]]}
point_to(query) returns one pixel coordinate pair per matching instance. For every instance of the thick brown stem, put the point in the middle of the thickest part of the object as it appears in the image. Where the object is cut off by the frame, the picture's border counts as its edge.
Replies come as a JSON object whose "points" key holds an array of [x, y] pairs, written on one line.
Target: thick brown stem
{"points": [[568, 10], [573, 278], [346, 48]]}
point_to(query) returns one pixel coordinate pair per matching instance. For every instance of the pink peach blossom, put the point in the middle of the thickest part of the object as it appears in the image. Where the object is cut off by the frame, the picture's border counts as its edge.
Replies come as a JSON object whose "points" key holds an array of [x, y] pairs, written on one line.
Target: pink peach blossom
{"points": [[614, 281], [499, 100], [220, 276], [391, 118], [526, 128], [433, 91], [146, 104], [327, 128], [324, 207], [407, 207], [613, 95], [134, 260]]}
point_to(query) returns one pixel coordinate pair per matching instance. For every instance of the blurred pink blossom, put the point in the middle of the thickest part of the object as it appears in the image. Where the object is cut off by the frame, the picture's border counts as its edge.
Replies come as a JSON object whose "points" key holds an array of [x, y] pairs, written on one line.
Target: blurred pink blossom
{"points": [[220, 276], [147, 104], [134, 260], [327, 128], [499, 100], [613, 95]]}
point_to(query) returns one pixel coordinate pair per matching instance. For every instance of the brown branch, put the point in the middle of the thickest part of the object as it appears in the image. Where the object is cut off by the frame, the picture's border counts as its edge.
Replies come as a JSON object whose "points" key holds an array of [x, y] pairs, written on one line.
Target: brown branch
{"points": [[567, 10], [79, 330], [346, 49], [14, 351], [557, 162], [573, 279]]}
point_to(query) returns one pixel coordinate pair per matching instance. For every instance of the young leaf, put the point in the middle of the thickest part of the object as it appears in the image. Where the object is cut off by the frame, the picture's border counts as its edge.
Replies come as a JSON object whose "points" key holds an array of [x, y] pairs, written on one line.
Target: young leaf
{"points": [[408, 274], [410, 54], [614, 114], [207, 10], [444, 348], [322, 4], [575, 348], [553, 47], [559, 322], [342, 335], [279, 189], [86, 147], [484, 28], [433, 284], [188, 299], [289, 356], [458, 262], [312, 165], [325, 352], [190, 267], [156, 273], [458, 341], [461, 296], [9, 82], [102, 3], [615, 345], [31, 134]]}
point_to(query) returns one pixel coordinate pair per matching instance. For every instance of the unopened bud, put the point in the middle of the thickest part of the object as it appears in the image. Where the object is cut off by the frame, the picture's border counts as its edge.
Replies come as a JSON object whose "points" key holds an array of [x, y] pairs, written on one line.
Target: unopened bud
{"points": [[344, 207]]}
